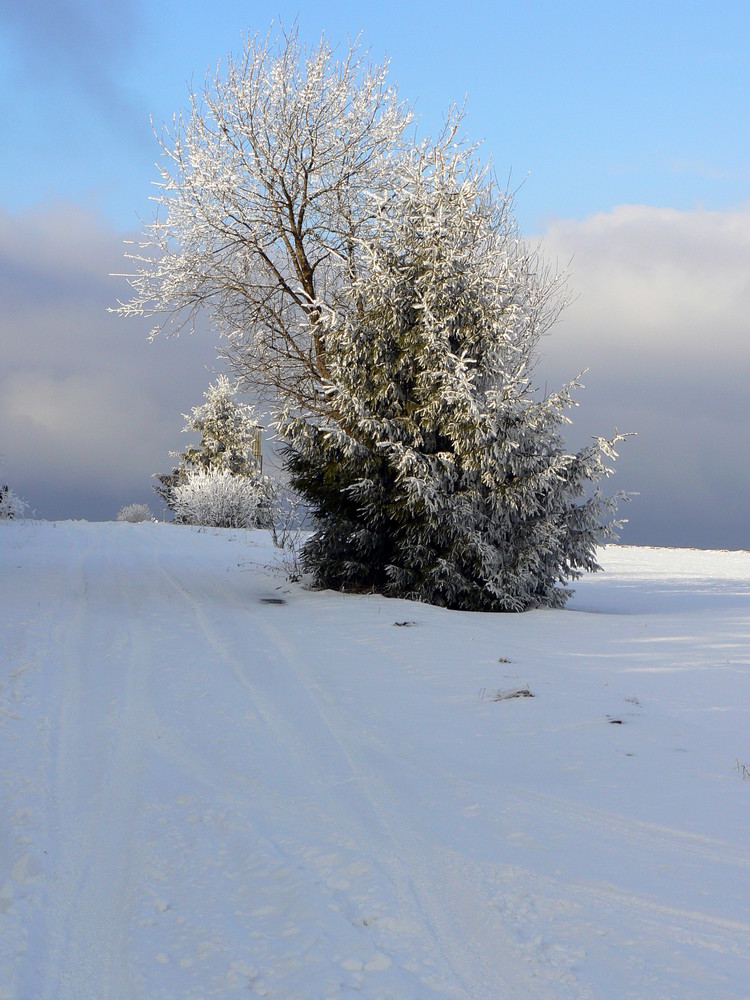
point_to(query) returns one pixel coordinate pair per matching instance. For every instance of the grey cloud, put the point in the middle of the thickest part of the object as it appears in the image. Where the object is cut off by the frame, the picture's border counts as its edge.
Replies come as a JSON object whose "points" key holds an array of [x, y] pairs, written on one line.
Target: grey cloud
{"points": [[661, 321], [89, 409]]}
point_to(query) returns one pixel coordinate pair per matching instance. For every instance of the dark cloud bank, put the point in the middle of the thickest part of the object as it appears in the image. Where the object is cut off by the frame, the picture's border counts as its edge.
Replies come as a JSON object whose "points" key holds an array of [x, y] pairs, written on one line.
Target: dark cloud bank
{"points": [[89, 408], [661, 322]]}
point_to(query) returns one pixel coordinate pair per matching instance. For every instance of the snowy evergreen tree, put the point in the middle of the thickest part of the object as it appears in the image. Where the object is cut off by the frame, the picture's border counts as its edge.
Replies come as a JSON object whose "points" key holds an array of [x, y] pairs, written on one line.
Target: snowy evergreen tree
{"points": [[11, 505], [229, 439], [441, 473]]}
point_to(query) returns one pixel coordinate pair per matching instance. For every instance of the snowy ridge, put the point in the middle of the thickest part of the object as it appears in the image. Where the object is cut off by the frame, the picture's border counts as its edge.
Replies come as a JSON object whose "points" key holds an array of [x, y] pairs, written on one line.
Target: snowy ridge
{"points": [[217, 783]]}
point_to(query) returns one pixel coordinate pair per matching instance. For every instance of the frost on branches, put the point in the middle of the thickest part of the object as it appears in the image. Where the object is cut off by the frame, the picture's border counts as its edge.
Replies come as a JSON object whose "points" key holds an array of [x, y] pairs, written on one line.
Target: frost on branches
{"points": [[134, 513], [11, 505], [379, 292], [217, 499], [441, 473], [229, 439], [262, 197]]}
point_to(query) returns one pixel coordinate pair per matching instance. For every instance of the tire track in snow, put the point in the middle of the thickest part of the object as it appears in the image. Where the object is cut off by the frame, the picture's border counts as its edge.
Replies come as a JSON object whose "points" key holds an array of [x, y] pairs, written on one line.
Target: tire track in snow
{"points": [[623, 897], [65, 738], [663, 845], [260, 701], [96, 762], [652, 837], [696, 928], [434, 890], [437, 890], [324, 765]]}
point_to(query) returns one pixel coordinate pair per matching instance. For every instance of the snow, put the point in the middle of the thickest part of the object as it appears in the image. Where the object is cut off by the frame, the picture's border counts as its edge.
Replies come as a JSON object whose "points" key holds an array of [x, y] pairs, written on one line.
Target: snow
{"points": [[215, 782]]}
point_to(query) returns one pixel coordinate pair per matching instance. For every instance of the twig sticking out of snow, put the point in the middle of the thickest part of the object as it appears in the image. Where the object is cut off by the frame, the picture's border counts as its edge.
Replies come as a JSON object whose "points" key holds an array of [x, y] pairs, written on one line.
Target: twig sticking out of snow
{"points": [[522, 692]]}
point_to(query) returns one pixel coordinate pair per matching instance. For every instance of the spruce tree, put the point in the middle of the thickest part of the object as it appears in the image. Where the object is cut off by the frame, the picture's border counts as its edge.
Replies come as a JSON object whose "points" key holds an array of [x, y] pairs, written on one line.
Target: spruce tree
{"points": [[441, 473], [229, 439]]}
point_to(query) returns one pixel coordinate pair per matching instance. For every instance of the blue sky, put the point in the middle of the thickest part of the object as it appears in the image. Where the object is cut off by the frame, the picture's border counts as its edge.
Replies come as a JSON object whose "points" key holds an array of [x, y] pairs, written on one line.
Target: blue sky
{"points": [[624, 126], [596, 103]]}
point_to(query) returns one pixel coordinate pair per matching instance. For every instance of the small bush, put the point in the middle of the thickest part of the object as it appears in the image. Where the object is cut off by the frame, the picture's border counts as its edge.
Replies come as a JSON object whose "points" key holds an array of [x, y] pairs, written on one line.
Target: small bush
{"points": [[217, 499], [11, 506], [134, 513]]}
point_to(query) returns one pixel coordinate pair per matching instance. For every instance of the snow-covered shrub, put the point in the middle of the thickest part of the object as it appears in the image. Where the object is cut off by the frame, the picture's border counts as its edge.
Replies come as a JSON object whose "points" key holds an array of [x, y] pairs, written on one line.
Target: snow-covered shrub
{"points": [[216, 498], [11, 505], [134, 513]]}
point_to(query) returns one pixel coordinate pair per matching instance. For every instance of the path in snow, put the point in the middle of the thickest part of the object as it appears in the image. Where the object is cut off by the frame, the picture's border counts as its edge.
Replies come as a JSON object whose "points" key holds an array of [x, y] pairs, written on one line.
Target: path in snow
{"points": [[208, 792]]}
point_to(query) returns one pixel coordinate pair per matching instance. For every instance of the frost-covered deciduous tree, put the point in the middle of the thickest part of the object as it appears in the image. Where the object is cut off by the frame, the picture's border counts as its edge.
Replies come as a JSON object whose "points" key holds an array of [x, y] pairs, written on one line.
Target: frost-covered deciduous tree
{"points": [[440, 473], [229, 439], [264, 196]]}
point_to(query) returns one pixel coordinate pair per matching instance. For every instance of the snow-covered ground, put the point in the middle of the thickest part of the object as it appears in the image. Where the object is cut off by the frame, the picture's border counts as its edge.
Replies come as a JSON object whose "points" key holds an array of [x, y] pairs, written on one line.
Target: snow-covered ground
{"points": [[217, 783]]}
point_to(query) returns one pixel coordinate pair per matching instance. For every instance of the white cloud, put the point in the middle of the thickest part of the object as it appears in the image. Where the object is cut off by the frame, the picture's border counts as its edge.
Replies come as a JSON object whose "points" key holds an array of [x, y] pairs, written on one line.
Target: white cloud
{"points": [[657, 281]]}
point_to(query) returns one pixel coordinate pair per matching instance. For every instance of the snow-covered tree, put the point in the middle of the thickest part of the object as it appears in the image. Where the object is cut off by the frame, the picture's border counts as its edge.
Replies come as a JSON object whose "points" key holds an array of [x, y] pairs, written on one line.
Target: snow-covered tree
{"points": [[229, 439], [11, 505], [216, 498], [379, 291], [440, 472], [262, 199]]}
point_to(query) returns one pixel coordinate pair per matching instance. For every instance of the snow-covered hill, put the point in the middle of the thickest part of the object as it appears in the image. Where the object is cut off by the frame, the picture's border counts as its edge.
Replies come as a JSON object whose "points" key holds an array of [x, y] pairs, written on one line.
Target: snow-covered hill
{"points": [[216, 783]]}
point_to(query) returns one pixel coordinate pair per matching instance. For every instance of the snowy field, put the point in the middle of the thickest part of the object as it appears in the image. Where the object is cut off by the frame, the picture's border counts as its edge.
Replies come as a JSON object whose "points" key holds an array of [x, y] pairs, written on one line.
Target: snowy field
{"points": [[216, 783]]}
